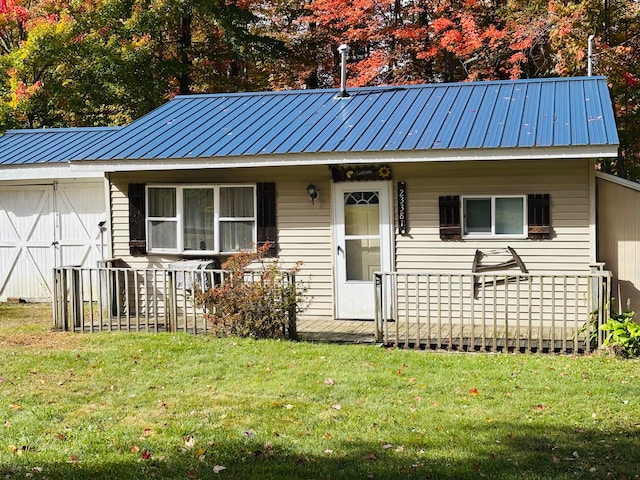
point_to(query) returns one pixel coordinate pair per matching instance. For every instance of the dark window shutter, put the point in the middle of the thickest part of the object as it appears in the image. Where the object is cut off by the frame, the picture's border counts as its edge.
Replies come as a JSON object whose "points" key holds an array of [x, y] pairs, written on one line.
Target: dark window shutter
{"points": [[137, 223], [266, 200], [539, 215], [450, 228]]}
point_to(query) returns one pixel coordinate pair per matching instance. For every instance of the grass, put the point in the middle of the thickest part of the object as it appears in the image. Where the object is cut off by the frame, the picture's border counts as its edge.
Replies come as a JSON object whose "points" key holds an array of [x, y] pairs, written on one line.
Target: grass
{"points": [[138, 406]]}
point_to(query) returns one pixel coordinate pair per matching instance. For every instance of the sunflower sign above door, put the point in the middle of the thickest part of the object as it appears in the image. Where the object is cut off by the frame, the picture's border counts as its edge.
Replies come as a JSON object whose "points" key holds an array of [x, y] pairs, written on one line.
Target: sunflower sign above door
{"points": [[354, 173]]}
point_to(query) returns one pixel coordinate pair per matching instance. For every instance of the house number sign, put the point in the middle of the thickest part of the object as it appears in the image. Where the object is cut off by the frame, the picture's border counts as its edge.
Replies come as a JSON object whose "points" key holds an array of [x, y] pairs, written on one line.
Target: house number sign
{"points": [[402, 208]]}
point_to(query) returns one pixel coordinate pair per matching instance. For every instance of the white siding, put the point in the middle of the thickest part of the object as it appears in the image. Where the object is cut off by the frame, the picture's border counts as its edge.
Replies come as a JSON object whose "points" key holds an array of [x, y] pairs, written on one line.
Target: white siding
{"points": [[304, 230], [567, 182], [619, 240]]}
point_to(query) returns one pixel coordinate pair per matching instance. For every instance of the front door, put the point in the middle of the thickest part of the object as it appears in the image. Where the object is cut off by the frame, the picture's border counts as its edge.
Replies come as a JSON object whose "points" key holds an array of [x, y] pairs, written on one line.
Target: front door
{"points": [[363, 245]]}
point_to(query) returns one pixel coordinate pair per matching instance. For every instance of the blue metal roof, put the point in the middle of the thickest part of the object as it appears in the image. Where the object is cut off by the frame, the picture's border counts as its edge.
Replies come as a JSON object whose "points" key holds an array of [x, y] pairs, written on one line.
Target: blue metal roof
{"points": [[51, 145], [553, 112]]}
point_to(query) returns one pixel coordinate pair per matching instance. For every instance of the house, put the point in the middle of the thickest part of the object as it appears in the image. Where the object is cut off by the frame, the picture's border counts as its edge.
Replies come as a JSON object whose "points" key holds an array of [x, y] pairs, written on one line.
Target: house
{"points": [[419, 178], [49, 212], [404, 178]]}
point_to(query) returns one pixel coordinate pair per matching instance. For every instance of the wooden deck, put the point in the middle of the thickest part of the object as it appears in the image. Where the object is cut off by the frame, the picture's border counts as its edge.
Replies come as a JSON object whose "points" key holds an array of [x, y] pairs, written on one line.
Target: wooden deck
{"points": [[445, 337], [399, 335], [336, 331]]}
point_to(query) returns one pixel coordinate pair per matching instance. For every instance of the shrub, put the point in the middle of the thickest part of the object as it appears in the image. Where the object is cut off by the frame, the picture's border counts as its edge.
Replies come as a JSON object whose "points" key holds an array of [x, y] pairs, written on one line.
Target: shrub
{"points": [[623, 334], [257, 299]]}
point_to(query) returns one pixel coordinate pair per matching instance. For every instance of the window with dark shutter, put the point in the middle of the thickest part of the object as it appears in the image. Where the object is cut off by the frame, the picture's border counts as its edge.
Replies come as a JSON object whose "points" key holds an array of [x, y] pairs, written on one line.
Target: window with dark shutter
{"points": [[450, 228], [539, 215], [137, 226], [266, 215]]}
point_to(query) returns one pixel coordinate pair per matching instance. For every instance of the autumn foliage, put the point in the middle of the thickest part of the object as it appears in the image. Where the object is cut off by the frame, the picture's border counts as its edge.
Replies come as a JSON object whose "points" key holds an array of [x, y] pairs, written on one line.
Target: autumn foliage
{"points": [[257, 299], [107, 62]]}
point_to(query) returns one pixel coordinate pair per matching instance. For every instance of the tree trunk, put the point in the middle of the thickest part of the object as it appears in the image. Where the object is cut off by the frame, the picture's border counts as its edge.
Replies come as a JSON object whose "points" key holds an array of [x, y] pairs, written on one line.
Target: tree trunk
{"points": [[184, 48]]}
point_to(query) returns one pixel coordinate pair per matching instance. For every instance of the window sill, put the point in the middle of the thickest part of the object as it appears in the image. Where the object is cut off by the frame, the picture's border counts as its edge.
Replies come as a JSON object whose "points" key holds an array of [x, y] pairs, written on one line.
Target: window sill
{"points": [[494, 237]]}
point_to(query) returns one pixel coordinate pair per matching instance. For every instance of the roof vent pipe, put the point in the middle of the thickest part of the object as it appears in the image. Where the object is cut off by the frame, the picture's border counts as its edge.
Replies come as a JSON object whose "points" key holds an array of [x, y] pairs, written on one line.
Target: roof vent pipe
{"points": [[589, 54], [343, 50]]}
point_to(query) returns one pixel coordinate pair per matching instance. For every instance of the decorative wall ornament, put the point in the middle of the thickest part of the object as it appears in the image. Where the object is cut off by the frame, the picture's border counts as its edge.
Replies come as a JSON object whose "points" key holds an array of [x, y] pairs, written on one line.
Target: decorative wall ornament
{"points": [[355, 173]]}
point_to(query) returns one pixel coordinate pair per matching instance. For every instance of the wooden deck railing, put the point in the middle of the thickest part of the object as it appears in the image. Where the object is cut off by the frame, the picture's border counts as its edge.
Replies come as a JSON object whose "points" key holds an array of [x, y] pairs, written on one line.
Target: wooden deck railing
{"points": [[519, 312], [135, 299]]}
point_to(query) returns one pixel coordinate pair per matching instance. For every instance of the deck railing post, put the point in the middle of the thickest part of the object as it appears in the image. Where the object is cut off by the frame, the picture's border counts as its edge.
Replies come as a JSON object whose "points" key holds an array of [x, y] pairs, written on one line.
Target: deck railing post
{"points": [[292, 329], [76, 297], [59, 300]]}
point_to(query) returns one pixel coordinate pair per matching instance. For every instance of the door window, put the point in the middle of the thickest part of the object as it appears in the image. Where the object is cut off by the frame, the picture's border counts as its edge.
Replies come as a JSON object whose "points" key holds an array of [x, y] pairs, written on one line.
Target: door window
{"points": [[362, 234]]}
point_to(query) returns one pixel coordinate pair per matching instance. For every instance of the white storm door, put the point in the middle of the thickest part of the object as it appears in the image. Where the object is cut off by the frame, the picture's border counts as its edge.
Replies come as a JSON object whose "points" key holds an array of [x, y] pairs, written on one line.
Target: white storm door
{"points": [[363, 245]]}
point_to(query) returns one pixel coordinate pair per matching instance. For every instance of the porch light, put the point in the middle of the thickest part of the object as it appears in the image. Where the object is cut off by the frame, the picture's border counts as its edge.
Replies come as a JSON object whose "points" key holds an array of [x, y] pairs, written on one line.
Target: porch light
{"points": [[313, 193]]}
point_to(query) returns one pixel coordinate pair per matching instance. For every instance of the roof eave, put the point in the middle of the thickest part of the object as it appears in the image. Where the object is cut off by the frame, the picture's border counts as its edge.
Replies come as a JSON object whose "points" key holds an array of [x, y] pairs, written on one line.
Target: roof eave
{"points": [[48, 171], [333, 158]]}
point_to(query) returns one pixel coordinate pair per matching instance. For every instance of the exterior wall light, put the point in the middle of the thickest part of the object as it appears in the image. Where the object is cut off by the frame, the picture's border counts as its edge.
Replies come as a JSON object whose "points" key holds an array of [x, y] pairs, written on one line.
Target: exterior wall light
{"points": [[313, 193]]}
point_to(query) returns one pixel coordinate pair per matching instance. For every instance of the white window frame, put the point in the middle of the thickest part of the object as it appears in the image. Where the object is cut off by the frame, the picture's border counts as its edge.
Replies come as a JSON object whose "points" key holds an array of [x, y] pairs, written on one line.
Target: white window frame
{"points": [[492, 233], [217, 217]]}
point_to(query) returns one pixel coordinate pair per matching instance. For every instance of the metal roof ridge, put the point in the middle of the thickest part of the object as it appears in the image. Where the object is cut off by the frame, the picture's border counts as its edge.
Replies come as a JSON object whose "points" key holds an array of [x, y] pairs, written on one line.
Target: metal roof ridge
{"points": [[61, 130], [382, 88]]}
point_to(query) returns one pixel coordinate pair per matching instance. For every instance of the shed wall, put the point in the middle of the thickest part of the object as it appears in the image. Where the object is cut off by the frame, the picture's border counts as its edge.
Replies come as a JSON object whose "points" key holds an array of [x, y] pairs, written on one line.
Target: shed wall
{"points": [[619, 240]]}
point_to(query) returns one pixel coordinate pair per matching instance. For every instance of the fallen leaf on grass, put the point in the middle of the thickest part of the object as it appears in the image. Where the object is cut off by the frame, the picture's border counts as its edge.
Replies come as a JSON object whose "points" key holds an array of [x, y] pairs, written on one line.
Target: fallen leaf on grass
{"points": [[337, 406], [199, 452], [135, 449], [474, 392], [192, 474], [189, 441], [369, 456], [14, 407], [248, 433], [218, 468], [146, 455], [74, 459], [329, 381], [387, 446]]}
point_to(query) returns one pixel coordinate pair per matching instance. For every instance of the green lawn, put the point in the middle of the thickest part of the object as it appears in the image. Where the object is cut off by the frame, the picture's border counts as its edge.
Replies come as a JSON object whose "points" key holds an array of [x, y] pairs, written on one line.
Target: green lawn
{"points": [[129, 406]]}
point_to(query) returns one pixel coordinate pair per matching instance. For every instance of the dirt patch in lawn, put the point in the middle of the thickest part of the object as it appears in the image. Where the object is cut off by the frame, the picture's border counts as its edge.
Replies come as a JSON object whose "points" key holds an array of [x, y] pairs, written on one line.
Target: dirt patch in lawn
{"points": [[42, 341], [28, 325]]}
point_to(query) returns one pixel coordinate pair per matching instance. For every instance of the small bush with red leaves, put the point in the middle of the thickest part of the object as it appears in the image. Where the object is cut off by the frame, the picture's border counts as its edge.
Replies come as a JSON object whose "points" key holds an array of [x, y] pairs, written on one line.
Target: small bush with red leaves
{"points": [[257, 299]]}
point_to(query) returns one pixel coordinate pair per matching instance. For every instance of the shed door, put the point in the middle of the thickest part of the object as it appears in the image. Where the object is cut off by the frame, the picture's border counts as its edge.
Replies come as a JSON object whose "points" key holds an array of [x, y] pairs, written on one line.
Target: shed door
{"points": [[26, 241], [42, 226], [363, 245]]}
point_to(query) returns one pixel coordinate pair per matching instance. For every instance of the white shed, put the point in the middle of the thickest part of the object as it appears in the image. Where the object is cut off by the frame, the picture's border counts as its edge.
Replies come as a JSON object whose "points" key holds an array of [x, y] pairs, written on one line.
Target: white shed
{"points": [[50, 213]]}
